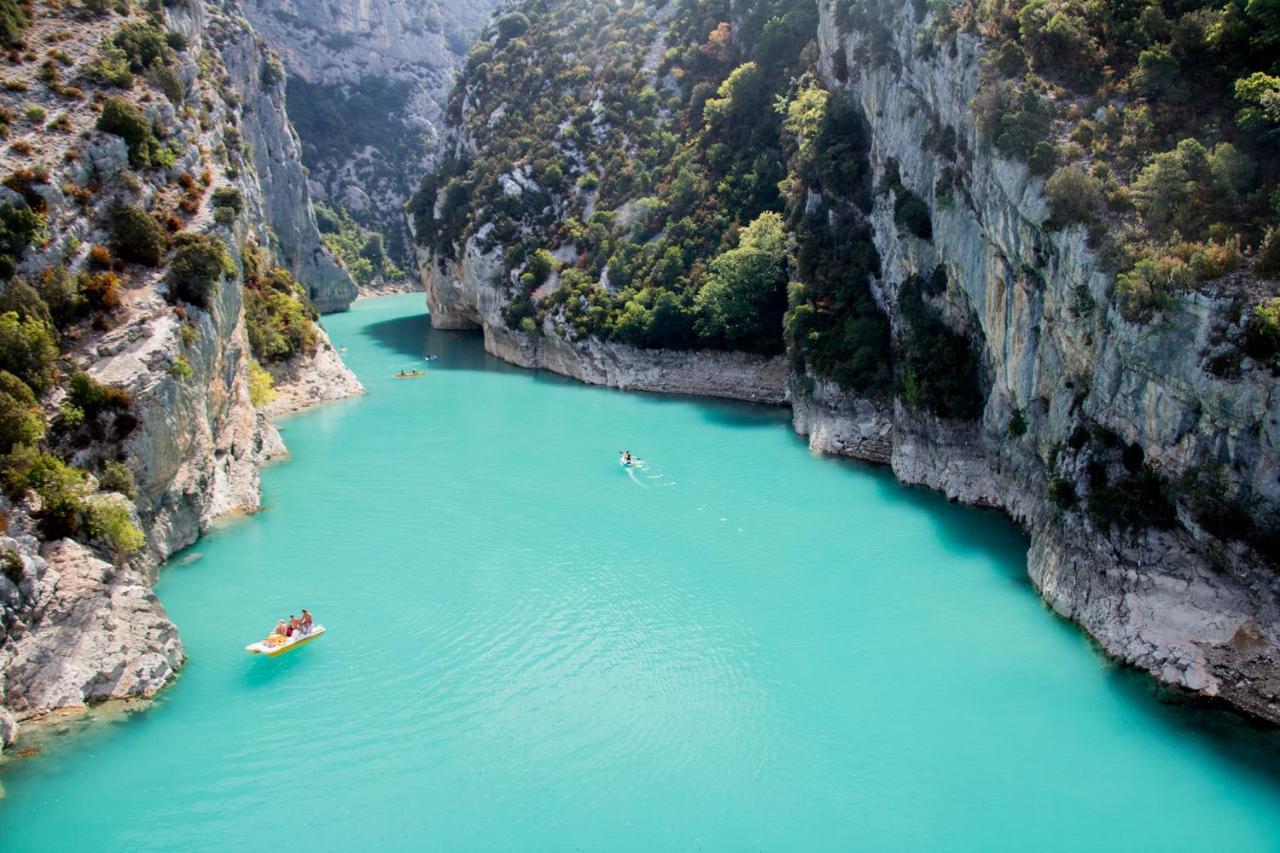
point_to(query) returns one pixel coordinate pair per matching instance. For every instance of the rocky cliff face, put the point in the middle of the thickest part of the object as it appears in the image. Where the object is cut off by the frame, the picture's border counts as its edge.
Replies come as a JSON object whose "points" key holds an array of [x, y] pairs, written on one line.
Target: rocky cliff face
{"points": [[401, 54], [1194, 610], [76, 628], [1075, 395], [285, 197]]}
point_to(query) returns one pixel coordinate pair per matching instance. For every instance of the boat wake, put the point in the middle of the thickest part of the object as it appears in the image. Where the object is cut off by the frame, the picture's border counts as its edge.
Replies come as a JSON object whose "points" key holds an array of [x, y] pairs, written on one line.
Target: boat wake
{"points": [[651, 477]]}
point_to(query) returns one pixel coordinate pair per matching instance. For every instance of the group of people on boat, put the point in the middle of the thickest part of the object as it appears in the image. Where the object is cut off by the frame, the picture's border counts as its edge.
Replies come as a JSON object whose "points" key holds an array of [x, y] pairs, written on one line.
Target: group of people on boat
{"points": [[627, 458], [295, 626]]}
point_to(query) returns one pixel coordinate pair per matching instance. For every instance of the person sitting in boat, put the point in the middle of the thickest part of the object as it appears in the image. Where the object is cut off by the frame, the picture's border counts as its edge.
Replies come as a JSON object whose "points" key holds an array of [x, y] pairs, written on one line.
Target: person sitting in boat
{"points": [[306, 621], [281, 628], [293, 626], [626, 457]]}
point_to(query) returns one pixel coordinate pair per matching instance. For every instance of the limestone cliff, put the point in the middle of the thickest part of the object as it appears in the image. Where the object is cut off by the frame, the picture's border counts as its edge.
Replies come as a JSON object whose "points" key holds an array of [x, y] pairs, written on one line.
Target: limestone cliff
{"points": [[79, 624], [369, 84], [1074, 395]]}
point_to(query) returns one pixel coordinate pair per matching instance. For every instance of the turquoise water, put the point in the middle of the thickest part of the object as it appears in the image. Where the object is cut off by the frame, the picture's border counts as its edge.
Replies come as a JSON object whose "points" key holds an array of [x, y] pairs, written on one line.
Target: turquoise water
{"points": [[740, 646]]}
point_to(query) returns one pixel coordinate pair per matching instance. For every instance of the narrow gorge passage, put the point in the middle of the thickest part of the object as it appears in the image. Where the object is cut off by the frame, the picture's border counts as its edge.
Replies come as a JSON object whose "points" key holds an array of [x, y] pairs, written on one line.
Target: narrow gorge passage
{"points": [[776, 651]]}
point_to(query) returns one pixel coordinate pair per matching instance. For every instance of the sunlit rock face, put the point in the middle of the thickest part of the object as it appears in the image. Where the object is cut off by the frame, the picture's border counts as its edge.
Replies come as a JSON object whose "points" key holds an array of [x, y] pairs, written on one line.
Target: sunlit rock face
{"points": [[368, 85]]}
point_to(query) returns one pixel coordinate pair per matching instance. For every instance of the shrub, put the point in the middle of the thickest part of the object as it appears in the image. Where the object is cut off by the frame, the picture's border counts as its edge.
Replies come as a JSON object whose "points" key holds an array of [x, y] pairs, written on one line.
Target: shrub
{"points": [[1062, 493], [107, 519], [1267, 261], [23, 299], [28, 348], [167, 81], [181, 369], [912, 214], [199, 262], [137, 236], [102, 290], [13, 23], [127, 121], [143, 43], [1214, 259], [116, 477], [111, 67], [19, 226], [229, 198], [272, 72], [1074, 195], [1134, 501], [280, 326], [1262, 333], [92, 397], [62, 292], [21, 419], [60, 488], [1149, 286], [941, 368], [11, 566], [261, 386]]}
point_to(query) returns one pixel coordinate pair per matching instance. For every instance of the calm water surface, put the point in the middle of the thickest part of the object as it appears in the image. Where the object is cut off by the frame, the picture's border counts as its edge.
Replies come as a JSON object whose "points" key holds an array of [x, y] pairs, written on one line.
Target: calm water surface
{"points": [[741, 646]]}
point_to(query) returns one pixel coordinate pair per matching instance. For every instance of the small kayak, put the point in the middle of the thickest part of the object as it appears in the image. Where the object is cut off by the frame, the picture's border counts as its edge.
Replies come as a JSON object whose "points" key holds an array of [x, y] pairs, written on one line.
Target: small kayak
{"points": [[411, 375], [276, 645]]}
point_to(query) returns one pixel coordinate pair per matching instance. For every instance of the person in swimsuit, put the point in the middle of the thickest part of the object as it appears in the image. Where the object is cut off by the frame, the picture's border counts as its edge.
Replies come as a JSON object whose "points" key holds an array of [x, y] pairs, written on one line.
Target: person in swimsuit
{"points": [[306, 621]]}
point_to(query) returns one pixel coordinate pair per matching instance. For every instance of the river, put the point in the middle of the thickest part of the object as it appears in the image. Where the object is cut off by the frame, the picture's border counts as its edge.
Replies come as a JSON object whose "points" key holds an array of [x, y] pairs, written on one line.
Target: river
{"points": [[738, 645]]}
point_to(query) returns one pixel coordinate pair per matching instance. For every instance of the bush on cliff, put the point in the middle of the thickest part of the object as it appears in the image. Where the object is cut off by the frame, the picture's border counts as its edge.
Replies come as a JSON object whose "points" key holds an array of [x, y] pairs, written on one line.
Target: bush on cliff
{"points": [[19, 227], [107, 519], [280, 321], [137, 236], [21, 419], [13, 23], [125, 120], [60, 488], [28, 349], [92, 397], [941, 369], [1075, 196], [199, 262]]}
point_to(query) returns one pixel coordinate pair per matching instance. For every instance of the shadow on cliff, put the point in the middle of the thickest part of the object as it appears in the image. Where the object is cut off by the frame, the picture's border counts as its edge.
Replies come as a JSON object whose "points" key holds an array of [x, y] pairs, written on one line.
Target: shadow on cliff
{"points": [[413, 338]]}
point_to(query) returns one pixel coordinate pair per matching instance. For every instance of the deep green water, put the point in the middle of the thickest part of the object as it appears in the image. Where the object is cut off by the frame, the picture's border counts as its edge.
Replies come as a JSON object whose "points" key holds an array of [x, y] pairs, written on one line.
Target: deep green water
{"points": [[742, 647]]}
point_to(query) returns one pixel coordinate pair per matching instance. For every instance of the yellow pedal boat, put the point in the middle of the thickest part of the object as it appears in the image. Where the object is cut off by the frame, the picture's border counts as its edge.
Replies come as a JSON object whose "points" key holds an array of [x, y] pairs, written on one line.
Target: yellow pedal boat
{"points": [[276, 645]]}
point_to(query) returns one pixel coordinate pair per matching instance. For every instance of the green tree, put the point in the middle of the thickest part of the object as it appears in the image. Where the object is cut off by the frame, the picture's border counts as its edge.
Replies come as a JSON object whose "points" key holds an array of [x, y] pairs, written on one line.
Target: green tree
{"points": [[28, 348], [743, 301]]}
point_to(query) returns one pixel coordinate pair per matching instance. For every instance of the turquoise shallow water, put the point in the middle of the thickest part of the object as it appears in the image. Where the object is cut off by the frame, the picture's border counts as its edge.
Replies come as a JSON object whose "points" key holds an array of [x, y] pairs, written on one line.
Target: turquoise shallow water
{"points": [[741, 646]]}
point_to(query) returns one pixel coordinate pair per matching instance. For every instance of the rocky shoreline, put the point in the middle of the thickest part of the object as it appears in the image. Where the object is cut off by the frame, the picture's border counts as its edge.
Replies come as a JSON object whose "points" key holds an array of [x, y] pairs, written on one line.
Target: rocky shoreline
{"points": [[1149, 598]]}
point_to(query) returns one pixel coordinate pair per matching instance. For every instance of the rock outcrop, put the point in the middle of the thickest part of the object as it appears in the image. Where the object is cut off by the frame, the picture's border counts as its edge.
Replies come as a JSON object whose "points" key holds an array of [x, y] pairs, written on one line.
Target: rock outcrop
{"points": [[285, 197], [460, 296], [404, 51], [75, 628]]}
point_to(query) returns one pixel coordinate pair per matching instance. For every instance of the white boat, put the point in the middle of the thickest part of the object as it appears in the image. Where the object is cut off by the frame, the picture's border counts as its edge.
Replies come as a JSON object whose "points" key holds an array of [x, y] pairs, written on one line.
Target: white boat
{"points": [[276, 645]]}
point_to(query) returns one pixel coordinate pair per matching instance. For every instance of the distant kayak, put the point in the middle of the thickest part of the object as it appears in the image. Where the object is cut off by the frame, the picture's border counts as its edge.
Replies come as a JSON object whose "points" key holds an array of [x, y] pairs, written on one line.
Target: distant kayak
{"points": [[276, 645], [409, 374]]}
